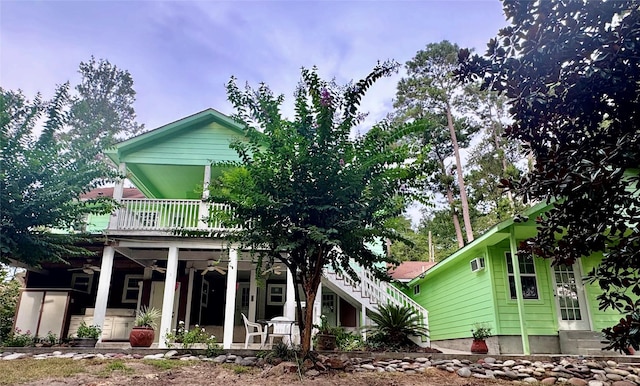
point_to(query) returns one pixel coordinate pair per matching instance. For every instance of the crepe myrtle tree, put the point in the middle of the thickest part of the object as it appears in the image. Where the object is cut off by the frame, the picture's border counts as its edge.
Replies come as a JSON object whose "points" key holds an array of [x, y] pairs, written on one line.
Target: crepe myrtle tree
{"points": [[571, 72], [305, 192]]}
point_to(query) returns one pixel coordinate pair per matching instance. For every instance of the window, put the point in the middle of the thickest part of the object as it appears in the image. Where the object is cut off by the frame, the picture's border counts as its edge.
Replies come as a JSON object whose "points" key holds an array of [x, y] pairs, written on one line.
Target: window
{"points": [[131, 289], [416, 289], [527, 277], [204, 294], [82, 282], [275, 294]]}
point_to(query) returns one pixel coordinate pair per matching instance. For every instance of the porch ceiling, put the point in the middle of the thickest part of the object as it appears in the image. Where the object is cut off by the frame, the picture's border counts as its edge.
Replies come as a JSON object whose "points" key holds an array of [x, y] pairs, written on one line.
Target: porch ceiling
{"points": [[168, 181]]}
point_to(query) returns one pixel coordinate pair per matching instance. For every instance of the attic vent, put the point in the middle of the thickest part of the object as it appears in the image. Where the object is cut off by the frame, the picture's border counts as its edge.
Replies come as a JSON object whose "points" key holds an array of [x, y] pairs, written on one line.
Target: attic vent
{"points": [[477, 264]]}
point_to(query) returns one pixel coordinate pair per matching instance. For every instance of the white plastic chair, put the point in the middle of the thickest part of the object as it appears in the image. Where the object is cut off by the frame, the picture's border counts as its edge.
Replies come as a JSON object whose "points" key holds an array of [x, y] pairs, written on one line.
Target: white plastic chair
{"points": [[282, 327], [253, 329]]}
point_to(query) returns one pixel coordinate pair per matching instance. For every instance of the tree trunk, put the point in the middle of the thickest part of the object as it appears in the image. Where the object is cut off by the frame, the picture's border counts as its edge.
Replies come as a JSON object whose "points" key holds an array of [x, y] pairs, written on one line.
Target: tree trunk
{"points": [[454, 218], [463, 192], [495, 126]]}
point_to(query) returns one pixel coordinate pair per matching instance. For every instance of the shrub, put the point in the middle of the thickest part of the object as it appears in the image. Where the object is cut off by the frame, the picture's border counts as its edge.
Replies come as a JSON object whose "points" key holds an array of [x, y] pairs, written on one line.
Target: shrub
{"points": [[19, 339], [394, 324], [85, 331], [348, 341], [195, 336]]}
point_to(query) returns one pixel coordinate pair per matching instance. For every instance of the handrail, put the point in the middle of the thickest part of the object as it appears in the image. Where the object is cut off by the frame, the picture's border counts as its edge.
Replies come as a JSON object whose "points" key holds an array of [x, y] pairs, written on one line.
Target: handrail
{"points": [[168, 214], [380, 292]]}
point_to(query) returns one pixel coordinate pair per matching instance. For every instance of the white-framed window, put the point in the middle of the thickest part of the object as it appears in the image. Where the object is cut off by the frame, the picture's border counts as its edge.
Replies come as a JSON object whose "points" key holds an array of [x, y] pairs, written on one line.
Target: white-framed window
{"points": [[275, 294], [328, 303], [416, 289], [204, 293], [82, 282], [131, 288], [527, 277]]}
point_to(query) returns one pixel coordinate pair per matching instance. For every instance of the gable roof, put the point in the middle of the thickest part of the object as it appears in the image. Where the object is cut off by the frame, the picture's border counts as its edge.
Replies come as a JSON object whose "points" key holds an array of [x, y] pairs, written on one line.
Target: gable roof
{"points": [[408, 270], [492, 236], [141, 140]]}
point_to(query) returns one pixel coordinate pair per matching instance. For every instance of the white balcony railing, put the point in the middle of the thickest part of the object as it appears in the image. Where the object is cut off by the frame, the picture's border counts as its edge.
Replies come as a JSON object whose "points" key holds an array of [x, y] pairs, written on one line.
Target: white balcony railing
{"points": [[168, 215]]}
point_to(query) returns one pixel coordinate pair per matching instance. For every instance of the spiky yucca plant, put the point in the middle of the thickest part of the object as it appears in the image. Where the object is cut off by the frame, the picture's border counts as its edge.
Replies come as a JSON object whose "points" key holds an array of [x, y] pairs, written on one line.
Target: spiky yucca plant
{"points": [[395, 324]]}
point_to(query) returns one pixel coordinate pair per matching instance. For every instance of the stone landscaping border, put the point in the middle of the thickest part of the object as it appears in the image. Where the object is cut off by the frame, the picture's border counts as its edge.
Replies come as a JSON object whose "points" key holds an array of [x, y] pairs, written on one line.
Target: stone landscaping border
{"points": [[548, 370]]}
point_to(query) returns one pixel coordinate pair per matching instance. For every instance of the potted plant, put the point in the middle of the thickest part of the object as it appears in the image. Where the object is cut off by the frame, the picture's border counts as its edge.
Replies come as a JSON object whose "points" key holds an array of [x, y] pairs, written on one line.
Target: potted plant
{"points": [[142, 334], [480, 332], [325, 337], [87, 336]]}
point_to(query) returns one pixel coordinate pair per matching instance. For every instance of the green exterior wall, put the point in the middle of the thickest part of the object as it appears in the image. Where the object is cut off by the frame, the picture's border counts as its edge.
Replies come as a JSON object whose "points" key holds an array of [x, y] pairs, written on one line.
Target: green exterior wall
{"points": [[456, 299], [540, 313], [197, 145], [599, 319]]}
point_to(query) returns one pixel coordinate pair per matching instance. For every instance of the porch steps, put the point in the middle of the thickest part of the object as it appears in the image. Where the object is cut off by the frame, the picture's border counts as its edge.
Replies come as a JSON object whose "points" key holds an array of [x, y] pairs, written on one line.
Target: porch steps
{"points": [[371, 292], [583, 343]]}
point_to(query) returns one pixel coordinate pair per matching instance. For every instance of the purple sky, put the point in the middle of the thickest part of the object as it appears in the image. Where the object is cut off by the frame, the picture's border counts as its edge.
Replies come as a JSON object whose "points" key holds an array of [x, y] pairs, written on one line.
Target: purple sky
{"points": [[182, 53]]}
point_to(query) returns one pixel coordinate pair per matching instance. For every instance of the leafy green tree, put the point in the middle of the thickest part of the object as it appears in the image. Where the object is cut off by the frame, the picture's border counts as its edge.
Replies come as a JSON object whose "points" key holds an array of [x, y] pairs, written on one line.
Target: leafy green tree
{"points": [[430, 89], [41, 180], [416, 250], [305, 192], [571, 72], [102, 111], [395, 325], [9, 293]]}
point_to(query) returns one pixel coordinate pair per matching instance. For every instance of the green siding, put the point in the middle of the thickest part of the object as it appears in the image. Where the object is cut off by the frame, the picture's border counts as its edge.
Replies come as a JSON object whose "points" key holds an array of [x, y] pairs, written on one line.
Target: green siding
{"points": [[197, 145], [97, 223], [599, 318], [456, 299], [540, 314]]}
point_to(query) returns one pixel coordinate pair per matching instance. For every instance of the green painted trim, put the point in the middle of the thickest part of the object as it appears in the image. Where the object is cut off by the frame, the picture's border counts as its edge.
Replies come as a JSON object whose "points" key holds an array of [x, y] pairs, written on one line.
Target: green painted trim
{"points": [[516, 277], [489, 267]]}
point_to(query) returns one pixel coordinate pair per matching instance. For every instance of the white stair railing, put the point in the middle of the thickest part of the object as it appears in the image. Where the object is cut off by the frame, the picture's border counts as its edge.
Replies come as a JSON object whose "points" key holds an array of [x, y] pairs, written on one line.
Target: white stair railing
{"points": [[373, 292]]}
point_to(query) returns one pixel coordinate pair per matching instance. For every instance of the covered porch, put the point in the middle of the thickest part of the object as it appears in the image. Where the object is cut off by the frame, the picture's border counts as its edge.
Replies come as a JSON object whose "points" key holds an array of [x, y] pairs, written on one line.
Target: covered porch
{"points": [[199, 282]]}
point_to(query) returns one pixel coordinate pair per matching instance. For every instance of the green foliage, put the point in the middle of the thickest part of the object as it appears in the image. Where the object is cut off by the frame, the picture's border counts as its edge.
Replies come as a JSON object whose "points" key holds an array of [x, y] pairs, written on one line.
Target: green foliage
{"points": [[147, 317], [570, 71], [41, 181], [324, 327], [102, 111], [9, 294], [281, 351], [188, 338], [347, 340], [118, 365], [85, 331], [17, 338], [306, 192], [480, 331], [395, 324], [431, 97]]}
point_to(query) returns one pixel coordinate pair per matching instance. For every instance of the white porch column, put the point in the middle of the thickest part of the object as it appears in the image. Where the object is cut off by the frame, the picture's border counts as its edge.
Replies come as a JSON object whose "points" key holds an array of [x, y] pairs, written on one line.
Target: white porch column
{"points": [[187, 317], [104, 282], [317, 306], [118, 191], [230, 299], [204, 206], [290, 304], [363, 321], [253, 293], [168, 296], [519, 298]]}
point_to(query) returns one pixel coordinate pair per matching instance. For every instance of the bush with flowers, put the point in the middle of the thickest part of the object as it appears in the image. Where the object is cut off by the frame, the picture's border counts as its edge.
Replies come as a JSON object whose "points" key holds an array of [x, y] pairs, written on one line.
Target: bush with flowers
{"points": [[190, 338], [17, 338]]}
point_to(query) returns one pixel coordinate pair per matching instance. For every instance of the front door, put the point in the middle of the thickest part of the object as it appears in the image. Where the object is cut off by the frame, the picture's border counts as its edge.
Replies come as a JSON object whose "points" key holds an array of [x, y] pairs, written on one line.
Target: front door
{"points": [[157, 295], [570, 298], [242, 303]]}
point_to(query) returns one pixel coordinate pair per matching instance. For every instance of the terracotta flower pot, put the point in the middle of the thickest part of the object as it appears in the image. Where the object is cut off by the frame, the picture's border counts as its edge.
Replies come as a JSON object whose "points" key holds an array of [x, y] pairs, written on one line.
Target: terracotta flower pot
{"points": [[479, 346], [141, 337], [325, 342]]}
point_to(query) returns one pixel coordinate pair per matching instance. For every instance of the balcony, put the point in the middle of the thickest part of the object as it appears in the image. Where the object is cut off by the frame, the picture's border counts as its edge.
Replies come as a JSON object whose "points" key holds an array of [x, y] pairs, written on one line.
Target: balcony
{"points": [[150, 216]]}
